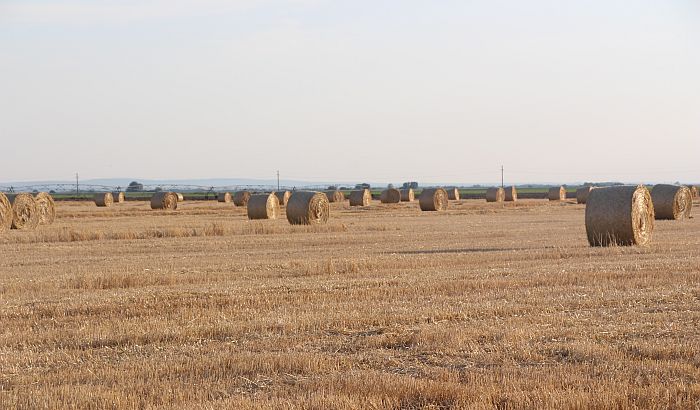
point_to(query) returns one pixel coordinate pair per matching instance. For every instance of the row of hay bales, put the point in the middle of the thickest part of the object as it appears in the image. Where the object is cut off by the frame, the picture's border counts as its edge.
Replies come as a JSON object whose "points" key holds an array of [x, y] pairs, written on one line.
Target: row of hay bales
{"points": [[24, 211], [498, 194]]}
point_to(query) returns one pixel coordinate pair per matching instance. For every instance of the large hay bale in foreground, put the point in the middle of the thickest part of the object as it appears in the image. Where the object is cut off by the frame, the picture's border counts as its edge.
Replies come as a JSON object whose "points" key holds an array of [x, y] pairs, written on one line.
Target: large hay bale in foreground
{"points": [[390, 196], [46, 208], [335, 196], [496, 194], [25, 215], [307, 208], [224, 197], [118, 197], [362, 197], [557, 194], [672, 201], [407, 195], [582, 194], [263, 206], [164, 200], [452, 194], [433, 199], [103, 199], [5, 213], [241, 198], [283, 197], [511, 194], [619, 215]]}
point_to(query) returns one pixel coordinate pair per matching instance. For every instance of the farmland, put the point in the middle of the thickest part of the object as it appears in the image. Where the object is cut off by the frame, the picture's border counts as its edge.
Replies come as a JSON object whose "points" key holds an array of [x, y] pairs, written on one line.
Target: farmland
{"points": [[482, 306]]}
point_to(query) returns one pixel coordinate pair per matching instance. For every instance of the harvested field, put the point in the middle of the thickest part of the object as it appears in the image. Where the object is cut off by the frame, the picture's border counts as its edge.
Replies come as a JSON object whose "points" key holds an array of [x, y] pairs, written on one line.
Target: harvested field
{"points": [[484, 305]]}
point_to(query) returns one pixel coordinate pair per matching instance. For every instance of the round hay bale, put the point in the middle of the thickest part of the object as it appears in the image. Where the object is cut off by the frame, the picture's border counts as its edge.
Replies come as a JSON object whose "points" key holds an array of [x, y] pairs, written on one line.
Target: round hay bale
{"points": [[390, 196], [362, 197], [582, 194], [25, 215], [496, 194], [164, 200], [407, 195], [307, 208], [283, 197], [433, 199], [694, 191], [335, 196], [118, 197], [620, 215], [46, 208], [557, 194], [263, 206], [180, 197], [453, 194], [104, 199], [224, 197], [511, 194], [241, 198], [5, 213], [671, 201]]}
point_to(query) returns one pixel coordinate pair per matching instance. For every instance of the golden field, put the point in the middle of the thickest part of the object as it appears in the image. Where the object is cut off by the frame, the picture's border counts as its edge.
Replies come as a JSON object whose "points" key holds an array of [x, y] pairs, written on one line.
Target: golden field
{"points": [[482, 306]]}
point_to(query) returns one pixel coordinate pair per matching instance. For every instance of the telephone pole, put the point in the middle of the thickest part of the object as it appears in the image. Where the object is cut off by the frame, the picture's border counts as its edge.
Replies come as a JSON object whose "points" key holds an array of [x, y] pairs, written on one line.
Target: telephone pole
{"points": [[502, 185], [77, 185], [278, 180]]}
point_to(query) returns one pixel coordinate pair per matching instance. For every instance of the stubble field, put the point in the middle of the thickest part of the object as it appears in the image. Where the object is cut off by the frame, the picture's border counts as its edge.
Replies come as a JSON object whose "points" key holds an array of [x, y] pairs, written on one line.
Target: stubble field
{"points": [[482, 306]]}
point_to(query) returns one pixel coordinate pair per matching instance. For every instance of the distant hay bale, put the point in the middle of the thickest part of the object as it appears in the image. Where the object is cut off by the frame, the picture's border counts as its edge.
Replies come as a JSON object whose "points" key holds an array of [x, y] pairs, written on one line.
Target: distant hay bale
{"points": [[362, 197], [335, 196], [407, 195], [224, 197], [307, 208], [241, 198], [557, 194], [283, 197], [104, 199], [118, 197], [25, 215], [433, 199], [180, 197], [5, 213], [263, 206], [164, 200], [390, 196], [694, 191], [671, 201], [511, 194], [496, 194], [46, 208], [453, 194], [619, 215], [582, 194]]}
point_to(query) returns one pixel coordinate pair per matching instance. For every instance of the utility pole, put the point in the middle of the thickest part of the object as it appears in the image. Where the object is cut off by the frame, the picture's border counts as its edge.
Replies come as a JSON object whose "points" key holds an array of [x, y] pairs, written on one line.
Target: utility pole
{"points": [[502, 185], [77, 185], [278, 180]]}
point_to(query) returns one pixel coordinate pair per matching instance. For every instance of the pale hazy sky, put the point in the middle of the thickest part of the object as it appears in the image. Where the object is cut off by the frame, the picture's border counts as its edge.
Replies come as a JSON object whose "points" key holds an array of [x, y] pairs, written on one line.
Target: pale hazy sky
{"points": [[351, 90]]}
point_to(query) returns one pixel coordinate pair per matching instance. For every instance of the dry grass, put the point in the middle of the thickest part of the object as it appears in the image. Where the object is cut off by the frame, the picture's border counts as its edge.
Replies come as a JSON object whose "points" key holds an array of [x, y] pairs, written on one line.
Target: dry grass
{"points": [[481, 306]]}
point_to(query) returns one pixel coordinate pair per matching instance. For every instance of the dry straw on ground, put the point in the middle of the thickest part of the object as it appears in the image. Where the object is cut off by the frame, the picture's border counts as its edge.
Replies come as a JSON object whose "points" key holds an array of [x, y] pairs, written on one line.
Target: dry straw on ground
{"points": [[46, 208], [164, 200], [362, 197], [407, 195], [620, 215], [5, 213], [452, 194], [224, 197], [390, 196], [308, 208], [241, 198], [582, 194], [335, 196], [104, 199], [433, 199], [557, 194], [118, 197], [25, 214], [283, 197], [263, 206], [496, 194], [672, 201], [511, 194]]}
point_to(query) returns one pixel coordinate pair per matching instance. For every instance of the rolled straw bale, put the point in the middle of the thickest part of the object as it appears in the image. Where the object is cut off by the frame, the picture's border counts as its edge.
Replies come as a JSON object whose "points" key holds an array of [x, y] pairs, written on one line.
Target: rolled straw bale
{"points": [[241, 198], [619, 215], [180, 197], [511, 194], [118, 197], [453, 194], [433, 199], [224, 197], [46, 208], [164, 200], [362, 197], [671, 201], [306, 208], [390, 196], [407, 195], [335, 196], [283, 197], [582, 194], [694, 191], [557, 194], [25, 214], [104, 199], [496, 194], [5, 213], [263, 206]]}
